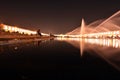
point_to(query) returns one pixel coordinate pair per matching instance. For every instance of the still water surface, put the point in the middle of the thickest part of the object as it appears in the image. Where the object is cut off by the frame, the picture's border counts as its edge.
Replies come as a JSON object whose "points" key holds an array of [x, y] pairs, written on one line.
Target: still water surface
{"points": [[59, 59]]}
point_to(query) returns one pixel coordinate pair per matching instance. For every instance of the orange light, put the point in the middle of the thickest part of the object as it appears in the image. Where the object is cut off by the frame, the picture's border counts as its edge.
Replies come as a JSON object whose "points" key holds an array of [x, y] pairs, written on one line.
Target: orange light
{"points": [[19, 30]]}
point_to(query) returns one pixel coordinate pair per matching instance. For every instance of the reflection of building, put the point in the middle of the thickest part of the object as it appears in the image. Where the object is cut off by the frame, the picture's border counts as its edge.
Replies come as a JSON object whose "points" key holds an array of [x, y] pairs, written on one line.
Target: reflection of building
{"points": [[15, 46], [115, 43]]}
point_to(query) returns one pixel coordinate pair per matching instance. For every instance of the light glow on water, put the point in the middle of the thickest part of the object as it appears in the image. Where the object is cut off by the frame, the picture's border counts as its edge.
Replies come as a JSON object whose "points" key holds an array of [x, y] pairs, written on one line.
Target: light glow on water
{"points": [[108, 49]]}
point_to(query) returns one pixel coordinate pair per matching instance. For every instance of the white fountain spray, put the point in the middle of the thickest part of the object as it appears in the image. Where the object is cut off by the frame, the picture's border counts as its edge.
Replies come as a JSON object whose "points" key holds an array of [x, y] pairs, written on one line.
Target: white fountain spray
{"points": [[106, 48], [82, 31]]}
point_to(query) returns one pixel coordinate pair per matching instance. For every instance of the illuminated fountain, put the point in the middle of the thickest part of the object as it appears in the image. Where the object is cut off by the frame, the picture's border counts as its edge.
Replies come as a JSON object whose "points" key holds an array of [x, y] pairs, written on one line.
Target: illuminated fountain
{"points": [[109, 28], [82, 31], [100, 29], [101, 37]]}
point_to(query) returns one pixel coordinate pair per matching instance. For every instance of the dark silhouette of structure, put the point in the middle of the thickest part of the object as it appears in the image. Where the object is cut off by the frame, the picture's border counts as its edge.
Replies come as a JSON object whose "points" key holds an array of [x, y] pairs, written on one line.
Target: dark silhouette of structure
{"points": [[39, 32], [51, 35]]}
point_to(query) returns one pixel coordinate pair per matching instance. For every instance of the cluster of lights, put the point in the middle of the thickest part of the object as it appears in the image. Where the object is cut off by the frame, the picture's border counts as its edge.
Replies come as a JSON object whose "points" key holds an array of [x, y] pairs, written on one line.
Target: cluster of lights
{"points": [[103, 34], [111, 34], [16, 29], [67, 36], [115, 43], [104, 42], [67, 39], [44, 34]]}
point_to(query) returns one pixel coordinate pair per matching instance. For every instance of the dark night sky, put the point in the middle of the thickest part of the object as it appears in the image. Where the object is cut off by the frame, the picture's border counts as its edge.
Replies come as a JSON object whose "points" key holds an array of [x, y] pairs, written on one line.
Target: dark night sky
{"points": [[55, 16]]}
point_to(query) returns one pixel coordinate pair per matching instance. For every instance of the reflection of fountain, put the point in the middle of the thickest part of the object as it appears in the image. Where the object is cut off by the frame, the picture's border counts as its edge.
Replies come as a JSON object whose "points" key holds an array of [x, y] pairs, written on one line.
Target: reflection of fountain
{"points": [[102, 29], [15, 46], [113, 43], [108, 49]]}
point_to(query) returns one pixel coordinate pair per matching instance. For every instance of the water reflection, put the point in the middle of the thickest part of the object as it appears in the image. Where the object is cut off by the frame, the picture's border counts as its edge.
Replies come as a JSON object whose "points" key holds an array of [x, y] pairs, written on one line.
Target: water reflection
{"points": [[17, 45], [108, 49], [115, 43]]}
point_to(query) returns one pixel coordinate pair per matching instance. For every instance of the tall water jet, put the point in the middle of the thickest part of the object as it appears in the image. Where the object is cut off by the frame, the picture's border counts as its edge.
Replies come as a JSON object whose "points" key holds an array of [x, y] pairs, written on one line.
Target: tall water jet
{"points": [[103, 25], [82, 31]]}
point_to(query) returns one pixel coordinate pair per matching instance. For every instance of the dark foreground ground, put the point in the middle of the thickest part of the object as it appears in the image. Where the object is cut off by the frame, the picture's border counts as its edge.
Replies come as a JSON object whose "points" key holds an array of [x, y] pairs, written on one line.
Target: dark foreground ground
{"points": [[52, 60]]}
